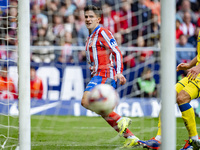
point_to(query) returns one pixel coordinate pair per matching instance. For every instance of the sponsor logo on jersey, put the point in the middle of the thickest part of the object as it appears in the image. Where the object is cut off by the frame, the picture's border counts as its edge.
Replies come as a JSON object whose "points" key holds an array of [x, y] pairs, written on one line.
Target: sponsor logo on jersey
{"points": [[93, 83], [113, 42]]}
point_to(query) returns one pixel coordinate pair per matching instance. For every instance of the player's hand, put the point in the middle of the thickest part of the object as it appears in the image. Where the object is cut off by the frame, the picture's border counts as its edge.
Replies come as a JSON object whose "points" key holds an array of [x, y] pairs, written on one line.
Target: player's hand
{"points": [[121, 78], [92, 70], [193, 72], [182, 66]]}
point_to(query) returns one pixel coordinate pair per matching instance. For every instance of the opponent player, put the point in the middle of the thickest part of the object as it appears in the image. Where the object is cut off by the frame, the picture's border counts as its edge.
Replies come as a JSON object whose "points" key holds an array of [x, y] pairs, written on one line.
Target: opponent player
{"points": [[101, 47], [186, 90]]}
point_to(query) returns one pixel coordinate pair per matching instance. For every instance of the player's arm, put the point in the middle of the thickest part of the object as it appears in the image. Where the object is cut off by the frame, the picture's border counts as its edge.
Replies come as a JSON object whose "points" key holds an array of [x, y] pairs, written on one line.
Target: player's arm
{"points": [[122, 79], [119, 75], [186, 66], [110, 43], [92, 70], [192, 71]]}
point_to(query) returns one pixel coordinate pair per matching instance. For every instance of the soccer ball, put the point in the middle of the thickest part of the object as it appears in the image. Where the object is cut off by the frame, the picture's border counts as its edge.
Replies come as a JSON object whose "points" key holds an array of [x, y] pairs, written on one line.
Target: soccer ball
{"points": [[103, 99]]}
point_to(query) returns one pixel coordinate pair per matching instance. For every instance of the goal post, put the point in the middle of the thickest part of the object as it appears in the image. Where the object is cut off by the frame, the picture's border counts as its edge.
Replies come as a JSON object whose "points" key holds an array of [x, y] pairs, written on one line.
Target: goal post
{"points": [[168, 75], [24, 74]]}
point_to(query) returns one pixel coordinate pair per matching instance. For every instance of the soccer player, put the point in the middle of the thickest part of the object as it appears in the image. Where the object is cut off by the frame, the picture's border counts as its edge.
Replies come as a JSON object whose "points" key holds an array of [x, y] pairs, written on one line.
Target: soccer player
{"points": [[186, 90], [101, 47]]}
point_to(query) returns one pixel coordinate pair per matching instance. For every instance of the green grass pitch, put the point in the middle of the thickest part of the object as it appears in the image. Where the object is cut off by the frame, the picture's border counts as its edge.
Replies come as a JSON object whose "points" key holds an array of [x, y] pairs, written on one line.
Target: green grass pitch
{"points": [[84, 133]]}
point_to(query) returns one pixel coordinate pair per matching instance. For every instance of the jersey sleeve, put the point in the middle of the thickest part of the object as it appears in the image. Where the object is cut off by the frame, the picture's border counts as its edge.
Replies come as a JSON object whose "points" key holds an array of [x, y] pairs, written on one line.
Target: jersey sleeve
{"points": [[108, 40]]}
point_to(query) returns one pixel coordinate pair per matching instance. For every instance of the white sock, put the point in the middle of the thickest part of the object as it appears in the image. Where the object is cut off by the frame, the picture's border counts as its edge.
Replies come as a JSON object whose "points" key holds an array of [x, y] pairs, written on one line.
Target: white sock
{"points": [[158, 137], [132, 137], [196, 137]]}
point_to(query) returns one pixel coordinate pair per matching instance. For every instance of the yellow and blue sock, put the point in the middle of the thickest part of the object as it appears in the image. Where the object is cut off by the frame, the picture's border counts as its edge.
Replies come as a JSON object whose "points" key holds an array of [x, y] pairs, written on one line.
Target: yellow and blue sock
{"points": [[188, 116], [158, 136]]}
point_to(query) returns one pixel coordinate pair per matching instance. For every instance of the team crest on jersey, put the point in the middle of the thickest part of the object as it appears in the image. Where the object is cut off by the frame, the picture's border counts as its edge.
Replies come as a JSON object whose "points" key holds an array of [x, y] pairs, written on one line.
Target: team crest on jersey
{"points": [[113, 42]]}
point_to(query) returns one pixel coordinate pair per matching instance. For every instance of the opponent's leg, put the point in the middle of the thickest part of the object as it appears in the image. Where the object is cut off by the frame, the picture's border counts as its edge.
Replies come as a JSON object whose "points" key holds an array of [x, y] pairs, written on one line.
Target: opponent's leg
{"points": [[158, 136], [188, 114]]}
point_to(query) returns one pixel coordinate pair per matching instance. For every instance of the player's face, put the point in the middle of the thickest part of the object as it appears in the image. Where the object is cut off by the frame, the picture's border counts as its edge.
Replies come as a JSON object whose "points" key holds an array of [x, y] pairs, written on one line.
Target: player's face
{"points": [[3, 73], [91, 20], [32, 74]]}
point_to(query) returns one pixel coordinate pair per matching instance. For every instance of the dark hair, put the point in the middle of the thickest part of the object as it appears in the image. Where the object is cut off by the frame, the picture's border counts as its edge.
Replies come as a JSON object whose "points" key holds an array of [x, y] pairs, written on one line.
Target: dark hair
{"points": [[32, 67], [4, 67], [95, 9], [145, 70]]}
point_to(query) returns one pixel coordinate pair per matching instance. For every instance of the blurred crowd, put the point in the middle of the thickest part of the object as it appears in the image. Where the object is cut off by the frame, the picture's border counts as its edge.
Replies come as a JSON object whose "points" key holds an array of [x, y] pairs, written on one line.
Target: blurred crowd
{"points": [[8, 90], [133, 23]]}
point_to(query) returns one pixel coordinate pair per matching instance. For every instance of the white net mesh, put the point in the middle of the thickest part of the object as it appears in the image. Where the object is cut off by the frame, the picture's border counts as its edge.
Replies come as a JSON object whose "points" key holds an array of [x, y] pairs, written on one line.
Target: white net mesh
{"points": [[8, 88], [58, 36]]}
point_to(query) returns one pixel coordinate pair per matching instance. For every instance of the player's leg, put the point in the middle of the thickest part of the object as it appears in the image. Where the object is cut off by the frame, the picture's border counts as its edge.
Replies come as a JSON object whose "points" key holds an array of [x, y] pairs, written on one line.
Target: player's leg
{"points": [[154, 143], [84, 101], [188, 114], [189, 92], [158, 135], [120, 124], [93, 82]]}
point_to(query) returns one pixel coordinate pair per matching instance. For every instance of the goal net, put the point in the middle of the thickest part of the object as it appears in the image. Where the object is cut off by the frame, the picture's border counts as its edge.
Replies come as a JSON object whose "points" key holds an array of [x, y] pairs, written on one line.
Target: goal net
{"points": [[58, 64], [8, 74]]}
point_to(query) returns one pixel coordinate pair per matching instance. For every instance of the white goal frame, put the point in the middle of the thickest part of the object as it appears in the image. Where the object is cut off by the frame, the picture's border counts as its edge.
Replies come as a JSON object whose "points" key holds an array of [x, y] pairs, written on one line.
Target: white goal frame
{"points": [[24, 74], [168, 74]]}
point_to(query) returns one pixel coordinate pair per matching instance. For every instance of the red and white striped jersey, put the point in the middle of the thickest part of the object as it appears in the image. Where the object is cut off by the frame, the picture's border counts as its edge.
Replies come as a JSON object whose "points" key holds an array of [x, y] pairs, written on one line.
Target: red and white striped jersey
{"points": [[101, 48]]}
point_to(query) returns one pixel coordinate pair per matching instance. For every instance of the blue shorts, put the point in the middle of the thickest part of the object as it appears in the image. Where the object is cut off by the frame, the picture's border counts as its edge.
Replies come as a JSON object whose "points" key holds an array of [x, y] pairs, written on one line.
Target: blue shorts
{"points": [[100, 80]]}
